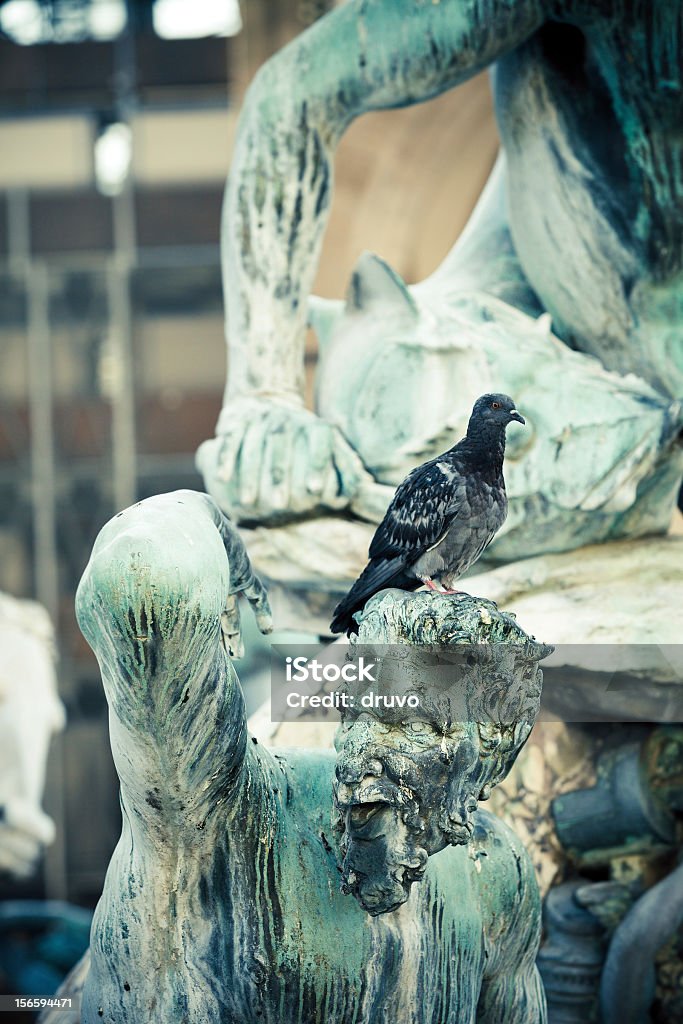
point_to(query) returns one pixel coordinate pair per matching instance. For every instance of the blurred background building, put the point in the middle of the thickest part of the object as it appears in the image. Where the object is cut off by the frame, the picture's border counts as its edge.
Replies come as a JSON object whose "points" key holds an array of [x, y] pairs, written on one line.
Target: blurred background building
{"points": [[116, 126]]}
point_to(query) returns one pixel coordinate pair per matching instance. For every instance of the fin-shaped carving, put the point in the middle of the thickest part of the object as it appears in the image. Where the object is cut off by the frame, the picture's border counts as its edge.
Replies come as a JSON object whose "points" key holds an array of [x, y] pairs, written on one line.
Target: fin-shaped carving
{"points": [[376, 286]]}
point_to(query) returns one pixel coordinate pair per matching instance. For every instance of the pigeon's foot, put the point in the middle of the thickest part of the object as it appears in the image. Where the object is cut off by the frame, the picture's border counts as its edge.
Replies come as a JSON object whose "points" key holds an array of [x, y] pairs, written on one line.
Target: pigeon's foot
{"points": [[436, 588]]}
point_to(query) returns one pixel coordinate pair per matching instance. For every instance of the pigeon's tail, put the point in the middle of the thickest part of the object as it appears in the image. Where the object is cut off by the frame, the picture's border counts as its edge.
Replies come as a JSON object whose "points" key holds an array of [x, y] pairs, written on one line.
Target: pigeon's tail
{"points": [[377, 575]]}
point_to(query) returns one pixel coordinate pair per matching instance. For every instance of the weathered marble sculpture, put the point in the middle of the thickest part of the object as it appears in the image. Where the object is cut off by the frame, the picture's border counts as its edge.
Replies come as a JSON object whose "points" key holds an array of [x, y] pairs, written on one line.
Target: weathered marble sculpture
{"points": [[398, 372], [30, 713], [223, 901], [580, 226]]}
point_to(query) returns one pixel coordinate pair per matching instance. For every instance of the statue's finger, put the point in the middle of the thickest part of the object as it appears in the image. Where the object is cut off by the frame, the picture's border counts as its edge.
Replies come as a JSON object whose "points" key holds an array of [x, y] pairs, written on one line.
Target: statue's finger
{"points": [[230, 619], [249, 463], [257, 596], [241, 572], [319, 458], [350, 469], [216, 460], [371, 500], [301, 499], [208, 462], [230, 625], [331, 496], [227, 447], [285, 455], [271, 468], [243, 580], [278, 459]]}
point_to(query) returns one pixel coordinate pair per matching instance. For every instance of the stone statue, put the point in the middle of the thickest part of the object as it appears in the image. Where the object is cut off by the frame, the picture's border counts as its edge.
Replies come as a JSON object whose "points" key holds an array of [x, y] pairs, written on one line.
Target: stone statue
{"points": [[30, 713], [224, 900], [565, 289], [380, 352]]}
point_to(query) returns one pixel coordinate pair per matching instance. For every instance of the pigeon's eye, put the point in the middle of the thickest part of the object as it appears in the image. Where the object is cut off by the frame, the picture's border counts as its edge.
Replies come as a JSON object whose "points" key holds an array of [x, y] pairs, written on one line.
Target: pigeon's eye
{"points": [[495, 405]]}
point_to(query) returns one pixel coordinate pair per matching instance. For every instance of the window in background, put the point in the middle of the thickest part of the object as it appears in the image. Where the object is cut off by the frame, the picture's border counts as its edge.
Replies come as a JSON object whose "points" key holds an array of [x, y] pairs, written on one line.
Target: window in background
{"points": [[193, 19]]}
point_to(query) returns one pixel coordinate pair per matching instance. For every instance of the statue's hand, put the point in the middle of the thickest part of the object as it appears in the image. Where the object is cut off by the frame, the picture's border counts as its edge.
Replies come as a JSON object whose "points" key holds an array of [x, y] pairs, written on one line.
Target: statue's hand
{"points": [[273, 461], [243, 583]]}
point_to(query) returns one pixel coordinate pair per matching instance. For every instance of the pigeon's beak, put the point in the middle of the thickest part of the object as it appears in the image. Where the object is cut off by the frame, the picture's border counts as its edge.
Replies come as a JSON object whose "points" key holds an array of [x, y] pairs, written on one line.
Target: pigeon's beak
{"points": [[514, 415]]}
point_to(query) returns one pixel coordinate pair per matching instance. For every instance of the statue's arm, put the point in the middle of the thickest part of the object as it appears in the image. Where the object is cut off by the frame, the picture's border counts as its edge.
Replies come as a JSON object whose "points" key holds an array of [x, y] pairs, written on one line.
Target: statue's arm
{"points": [[365, 55], [151, 604], [271, 458]]}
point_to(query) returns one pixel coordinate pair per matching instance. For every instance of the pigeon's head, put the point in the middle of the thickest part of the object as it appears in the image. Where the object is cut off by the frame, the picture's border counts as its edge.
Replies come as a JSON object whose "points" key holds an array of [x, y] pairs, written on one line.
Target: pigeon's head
{"points": [[493, 411]]}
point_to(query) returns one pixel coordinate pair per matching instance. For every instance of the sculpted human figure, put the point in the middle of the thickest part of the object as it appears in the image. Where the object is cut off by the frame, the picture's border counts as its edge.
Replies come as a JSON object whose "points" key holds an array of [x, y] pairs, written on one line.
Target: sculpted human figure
{"points": [[30, 713], [223, 899], [567, 278]]}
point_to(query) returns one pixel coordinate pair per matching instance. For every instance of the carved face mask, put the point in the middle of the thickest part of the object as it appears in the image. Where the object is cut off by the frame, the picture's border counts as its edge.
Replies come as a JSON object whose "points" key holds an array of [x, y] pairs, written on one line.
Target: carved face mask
{"points": [[402, 793]]}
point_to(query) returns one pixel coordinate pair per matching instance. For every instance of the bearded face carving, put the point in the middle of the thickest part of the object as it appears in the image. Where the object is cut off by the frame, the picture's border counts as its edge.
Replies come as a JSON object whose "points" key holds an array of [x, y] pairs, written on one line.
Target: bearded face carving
{"points": [[402, 793], [407, 786]]}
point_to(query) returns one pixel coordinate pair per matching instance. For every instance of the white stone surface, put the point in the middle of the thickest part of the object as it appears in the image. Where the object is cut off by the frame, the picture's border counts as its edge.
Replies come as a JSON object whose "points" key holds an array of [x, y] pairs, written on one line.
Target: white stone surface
{"points": [[30, 712], [626, 595]]}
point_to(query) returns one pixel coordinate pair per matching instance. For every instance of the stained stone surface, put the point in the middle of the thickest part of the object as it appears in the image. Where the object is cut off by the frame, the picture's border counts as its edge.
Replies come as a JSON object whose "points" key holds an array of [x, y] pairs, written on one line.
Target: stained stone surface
{"points": [[556, 759], [222, 899], [399, 375], [564, 290], [560, 596], [556, 596]]}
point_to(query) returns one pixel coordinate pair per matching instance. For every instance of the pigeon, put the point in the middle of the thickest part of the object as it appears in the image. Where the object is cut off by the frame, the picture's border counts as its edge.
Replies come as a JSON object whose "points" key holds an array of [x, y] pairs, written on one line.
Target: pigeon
{"points": [[441, 517]]}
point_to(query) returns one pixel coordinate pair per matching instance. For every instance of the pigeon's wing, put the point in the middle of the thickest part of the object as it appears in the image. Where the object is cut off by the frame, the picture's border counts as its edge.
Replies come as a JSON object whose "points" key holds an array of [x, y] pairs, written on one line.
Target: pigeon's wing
{"points": [[420, 513]]}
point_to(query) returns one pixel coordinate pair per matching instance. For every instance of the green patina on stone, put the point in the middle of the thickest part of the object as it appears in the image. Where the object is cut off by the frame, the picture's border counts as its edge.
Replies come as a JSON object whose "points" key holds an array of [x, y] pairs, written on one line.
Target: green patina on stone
{"points": [[223, 899]]}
